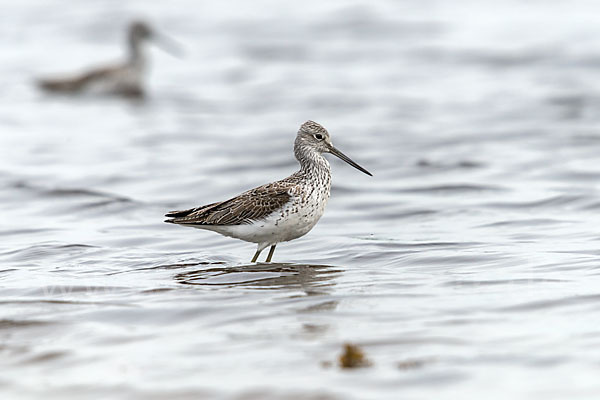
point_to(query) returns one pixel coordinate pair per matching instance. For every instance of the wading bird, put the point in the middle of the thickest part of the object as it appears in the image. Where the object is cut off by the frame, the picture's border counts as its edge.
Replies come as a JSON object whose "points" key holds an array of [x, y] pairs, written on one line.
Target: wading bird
{"points": [[280, 211], [124, 79]]}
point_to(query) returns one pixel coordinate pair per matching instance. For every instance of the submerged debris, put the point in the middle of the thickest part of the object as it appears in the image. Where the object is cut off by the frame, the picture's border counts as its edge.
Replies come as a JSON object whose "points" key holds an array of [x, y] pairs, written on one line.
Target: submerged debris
{"points": [[353, 357], [411, 364]]}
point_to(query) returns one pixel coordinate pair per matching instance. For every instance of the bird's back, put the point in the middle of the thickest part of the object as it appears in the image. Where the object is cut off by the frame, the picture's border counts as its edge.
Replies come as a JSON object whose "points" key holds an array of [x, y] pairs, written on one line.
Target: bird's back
{"points": [[124, 80]]}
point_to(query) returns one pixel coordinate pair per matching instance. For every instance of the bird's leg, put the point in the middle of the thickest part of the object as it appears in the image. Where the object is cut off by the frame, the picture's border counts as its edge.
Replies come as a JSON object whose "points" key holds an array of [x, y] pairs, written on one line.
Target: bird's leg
{"points": [[256, 255], [271, 251]]}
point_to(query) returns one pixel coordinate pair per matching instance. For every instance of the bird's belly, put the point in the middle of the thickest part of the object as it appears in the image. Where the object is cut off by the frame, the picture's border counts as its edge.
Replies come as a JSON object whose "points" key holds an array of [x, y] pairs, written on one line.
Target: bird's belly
{"points": [[280, 226], [127, 80]]}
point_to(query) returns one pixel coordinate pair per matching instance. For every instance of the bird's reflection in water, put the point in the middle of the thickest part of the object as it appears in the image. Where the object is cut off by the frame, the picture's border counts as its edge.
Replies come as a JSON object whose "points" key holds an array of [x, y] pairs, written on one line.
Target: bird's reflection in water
{"points": [[313, 279]]}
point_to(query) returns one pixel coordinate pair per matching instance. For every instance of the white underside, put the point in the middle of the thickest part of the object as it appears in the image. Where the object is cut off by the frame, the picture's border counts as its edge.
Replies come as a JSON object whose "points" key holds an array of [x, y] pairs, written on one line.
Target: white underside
{"points": [[127, 78], [275, 228]]}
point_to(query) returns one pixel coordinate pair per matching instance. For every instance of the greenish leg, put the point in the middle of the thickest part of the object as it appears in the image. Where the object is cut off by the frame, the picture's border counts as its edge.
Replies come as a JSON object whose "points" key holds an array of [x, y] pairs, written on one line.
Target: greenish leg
{"points": [[271, 251], [256, 256]]}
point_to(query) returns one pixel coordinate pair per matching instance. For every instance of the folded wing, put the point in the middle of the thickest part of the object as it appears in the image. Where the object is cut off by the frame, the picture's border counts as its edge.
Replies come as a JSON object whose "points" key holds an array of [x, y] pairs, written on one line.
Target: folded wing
{"points": [[255, 204]]}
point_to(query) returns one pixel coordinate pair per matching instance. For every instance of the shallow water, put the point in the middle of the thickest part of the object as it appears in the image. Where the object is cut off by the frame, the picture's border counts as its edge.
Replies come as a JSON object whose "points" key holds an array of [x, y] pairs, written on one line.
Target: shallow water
{"points": [[467, 266]]}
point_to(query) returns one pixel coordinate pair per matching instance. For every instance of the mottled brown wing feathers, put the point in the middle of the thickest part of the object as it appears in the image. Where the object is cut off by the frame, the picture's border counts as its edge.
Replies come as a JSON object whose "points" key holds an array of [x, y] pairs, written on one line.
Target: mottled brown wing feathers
{"points": [[77, 82], [186, 213], [252, 205]]}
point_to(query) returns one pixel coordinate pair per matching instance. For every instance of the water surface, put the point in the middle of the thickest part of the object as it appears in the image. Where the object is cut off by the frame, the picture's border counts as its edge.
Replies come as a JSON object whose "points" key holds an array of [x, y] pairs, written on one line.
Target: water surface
{"points": [[466, 267]]}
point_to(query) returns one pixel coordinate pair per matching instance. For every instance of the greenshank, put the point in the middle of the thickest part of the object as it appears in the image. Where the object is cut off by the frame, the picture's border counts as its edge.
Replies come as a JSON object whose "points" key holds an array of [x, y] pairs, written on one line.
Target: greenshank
{"points": [[280, 211], [125, 79]]}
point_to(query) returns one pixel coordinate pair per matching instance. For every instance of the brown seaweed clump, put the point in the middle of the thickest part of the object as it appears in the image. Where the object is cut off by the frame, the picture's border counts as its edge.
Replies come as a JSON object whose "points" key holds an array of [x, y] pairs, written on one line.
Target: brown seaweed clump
{"points": [[353, 357]]}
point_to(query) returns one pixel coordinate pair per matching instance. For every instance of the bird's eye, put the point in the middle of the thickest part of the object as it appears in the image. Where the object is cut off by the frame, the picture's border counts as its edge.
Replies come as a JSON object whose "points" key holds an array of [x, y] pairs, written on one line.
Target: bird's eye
{"points": [[318, 136]]}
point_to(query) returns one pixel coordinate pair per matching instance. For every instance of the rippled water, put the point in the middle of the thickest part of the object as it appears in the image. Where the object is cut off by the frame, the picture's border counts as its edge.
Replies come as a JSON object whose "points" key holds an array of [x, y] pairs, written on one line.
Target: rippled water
{"points": [[467, 266]]}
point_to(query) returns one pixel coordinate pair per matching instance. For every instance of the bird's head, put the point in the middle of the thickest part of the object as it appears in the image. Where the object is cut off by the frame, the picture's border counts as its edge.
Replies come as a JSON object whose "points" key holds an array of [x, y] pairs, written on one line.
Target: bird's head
{"points": [[315, 137]]}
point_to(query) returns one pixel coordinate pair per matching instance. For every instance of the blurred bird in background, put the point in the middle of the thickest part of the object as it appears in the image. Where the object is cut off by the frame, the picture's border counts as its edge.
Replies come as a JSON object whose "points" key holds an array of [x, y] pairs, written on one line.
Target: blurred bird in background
{"points": [[125, 79]]}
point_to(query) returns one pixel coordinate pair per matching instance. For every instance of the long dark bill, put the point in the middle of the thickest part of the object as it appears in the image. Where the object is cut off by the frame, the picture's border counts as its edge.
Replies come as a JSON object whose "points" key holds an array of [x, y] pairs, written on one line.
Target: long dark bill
{"points": [[168, 44], [344, 157]]}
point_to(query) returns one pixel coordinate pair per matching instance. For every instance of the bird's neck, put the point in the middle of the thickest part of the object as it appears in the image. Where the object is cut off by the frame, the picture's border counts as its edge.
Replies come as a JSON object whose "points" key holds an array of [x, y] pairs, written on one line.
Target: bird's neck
{"points": [[311, 161], [136, 55]]}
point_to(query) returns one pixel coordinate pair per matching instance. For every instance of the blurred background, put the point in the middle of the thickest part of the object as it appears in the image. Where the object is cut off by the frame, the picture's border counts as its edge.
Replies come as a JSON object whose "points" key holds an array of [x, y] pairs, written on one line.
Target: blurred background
{"points": [[465, 267]]}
